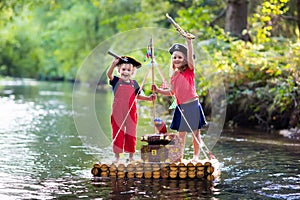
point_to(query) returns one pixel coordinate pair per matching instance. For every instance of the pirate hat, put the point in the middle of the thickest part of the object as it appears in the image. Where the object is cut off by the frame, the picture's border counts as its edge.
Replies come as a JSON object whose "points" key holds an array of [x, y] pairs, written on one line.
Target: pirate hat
{"points": [[178, 47], [129, 60]]}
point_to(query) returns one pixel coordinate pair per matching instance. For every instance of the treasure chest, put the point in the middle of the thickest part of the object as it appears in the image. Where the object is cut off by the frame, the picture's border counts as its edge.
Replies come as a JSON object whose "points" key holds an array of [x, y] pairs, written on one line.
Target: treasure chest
{"points": [[160, 153], [153, 153]]}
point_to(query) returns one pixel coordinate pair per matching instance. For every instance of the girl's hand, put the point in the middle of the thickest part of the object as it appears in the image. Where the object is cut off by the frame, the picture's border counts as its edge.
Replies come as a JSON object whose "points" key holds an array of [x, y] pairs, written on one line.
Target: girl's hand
{"points": [[154, 88]]}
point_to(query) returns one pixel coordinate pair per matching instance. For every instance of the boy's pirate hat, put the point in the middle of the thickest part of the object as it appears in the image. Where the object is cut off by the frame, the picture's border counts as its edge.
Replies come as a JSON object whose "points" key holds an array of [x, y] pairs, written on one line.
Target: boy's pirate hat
{"points": [[129, 60]]}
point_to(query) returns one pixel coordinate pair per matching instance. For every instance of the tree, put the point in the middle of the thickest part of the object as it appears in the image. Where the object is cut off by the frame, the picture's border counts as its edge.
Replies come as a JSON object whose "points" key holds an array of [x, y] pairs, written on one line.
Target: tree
{"points": [[236, 19]]}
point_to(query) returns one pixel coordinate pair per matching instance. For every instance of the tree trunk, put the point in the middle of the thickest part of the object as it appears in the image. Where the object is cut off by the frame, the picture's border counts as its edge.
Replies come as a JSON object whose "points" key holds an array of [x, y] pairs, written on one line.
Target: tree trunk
{"points": [[236, 19]]}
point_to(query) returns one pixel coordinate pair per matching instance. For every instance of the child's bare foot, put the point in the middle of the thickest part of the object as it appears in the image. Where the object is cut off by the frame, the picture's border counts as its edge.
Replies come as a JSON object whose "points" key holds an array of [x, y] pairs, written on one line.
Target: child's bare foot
{"points": [[195, 159], [130, 159], [117, 158]]}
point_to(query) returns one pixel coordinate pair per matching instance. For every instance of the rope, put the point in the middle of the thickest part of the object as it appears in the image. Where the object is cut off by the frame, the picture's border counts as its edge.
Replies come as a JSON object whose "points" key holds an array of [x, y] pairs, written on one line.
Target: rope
{"points": [[142, 85], [199, 142]]}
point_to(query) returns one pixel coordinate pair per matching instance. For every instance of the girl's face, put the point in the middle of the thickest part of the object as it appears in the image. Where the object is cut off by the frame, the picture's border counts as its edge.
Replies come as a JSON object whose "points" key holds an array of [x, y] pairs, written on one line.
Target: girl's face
{"points": [[178, 59], [126, 70]]}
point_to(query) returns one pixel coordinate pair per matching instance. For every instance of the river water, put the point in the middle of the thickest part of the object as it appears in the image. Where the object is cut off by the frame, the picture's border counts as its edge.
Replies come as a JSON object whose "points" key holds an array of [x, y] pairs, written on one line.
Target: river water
{"points": [[44, 157]]}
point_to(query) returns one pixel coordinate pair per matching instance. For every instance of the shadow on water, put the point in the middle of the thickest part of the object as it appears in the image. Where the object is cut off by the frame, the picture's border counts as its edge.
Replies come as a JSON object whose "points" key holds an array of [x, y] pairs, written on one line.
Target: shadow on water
{"points": [[43, 157]]}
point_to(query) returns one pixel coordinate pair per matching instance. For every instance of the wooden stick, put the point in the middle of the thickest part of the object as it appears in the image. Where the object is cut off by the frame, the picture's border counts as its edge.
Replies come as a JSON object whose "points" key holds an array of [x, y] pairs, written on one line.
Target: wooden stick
{"points": [[179, 29], [152, 63]]}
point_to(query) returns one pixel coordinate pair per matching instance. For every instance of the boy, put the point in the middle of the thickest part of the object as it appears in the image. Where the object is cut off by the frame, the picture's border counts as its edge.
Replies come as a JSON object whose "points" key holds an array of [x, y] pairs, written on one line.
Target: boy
{"points": [[124, 111]]}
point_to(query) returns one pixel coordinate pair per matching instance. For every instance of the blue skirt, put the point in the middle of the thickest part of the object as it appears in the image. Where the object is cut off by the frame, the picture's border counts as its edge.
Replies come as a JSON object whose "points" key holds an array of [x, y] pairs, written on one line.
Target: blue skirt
{"points": [[193, 119]]}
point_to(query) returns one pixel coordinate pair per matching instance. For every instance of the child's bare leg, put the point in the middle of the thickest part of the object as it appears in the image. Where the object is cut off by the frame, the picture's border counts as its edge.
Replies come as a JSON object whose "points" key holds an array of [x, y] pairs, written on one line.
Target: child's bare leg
{"points": [[182, 136], [131, 157], [196, 143], [117, 158]]}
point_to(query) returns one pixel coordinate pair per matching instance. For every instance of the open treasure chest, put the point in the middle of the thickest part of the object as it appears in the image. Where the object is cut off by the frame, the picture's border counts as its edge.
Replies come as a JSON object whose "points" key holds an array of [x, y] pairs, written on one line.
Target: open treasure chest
{"points": [[161, 148]]}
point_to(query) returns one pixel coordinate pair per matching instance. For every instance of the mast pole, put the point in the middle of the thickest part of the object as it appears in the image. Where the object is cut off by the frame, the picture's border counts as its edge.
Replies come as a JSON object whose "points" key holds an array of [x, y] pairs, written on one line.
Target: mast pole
{"points": [[152, 64]]}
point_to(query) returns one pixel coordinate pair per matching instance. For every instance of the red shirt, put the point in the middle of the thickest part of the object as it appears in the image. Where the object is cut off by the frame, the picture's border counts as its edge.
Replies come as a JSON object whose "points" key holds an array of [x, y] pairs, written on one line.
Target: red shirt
{"points": [[183, 84]]}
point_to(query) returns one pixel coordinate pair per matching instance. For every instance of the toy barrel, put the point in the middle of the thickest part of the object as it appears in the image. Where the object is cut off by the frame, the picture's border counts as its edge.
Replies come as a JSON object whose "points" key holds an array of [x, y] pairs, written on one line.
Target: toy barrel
{"points": [[160, 125]]}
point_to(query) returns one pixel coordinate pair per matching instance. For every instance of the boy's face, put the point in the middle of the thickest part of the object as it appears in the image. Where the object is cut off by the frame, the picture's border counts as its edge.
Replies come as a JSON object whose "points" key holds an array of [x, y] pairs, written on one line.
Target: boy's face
{"points": [[126, 70]]}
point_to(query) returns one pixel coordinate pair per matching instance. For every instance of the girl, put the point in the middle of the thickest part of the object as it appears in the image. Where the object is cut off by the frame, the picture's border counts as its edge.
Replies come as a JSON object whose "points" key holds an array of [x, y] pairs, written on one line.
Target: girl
{"points": [[188, 115]]}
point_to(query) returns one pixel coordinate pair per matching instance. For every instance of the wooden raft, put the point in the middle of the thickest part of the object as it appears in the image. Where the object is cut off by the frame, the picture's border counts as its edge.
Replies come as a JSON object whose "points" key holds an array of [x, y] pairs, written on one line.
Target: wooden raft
{"points": [[204, 170]]}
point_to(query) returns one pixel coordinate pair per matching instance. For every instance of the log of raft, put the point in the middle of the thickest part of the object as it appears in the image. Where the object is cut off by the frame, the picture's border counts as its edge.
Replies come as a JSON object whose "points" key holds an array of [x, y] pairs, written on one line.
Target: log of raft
{"points": [[147, 170]]}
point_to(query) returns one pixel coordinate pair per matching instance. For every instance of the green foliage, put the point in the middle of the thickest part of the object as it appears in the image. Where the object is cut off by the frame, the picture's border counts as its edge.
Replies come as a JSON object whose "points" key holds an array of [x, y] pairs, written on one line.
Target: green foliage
{"points": [[264, 18], [49, 39]]}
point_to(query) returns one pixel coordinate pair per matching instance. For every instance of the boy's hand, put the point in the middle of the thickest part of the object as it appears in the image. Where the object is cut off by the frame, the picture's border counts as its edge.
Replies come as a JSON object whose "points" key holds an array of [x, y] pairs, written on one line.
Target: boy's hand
{"points": [[115, 61], [153, 97]]}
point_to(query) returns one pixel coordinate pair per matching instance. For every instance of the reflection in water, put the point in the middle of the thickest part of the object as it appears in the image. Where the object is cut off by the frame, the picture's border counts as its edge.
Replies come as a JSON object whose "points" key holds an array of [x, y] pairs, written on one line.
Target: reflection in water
{"points": [[43, 157], [154, 188]]}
